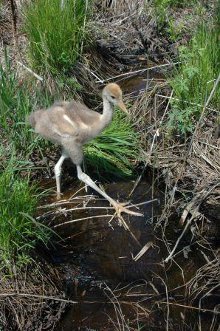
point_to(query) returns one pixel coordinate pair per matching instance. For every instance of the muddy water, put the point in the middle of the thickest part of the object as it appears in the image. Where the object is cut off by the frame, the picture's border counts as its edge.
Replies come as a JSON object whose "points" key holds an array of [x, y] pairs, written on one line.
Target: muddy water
{"points": [[141, 81], [96, 260]]}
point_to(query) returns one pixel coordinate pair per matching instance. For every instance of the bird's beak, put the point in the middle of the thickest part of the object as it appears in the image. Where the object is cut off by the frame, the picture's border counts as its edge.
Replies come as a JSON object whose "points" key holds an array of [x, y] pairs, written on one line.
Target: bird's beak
{"points": [[121, 105]]}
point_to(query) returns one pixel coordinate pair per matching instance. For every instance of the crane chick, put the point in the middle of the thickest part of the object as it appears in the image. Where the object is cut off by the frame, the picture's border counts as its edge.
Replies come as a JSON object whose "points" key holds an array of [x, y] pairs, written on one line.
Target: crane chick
{"points": [[71, 125]]}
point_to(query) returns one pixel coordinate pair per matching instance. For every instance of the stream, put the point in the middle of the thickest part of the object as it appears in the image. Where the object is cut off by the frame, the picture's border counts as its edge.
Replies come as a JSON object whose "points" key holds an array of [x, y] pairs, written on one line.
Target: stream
{"points": [[99, 265], [115, 284]]}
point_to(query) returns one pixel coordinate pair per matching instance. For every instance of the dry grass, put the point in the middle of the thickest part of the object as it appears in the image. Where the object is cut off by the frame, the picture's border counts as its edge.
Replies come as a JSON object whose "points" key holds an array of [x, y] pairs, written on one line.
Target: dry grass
{"points": [[190, 170], [188, 166], [30, 300]]}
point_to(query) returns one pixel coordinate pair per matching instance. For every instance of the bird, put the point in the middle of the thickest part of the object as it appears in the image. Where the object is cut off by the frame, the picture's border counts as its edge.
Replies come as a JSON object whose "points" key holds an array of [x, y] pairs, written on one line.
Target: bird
{"points": [[72, 124]]}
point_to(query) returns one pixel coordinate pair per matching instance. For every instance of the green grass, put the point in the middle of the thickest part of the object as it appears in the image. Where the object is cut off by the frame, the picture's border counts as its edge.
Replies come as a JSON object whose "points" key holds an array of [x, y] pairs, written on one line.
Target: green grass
{"points": [[17, 99], [19, 232], [113, 152], [173, 3], [168, 22], [194, 79], [56, 35]]}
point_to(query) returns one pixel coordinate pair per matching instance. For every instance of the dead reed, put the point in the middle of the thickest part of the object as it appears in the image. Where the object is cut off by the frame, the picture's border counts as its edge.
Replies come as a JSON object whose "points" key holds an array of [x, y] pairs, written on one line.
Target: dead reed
{"points": [[30, 300]]}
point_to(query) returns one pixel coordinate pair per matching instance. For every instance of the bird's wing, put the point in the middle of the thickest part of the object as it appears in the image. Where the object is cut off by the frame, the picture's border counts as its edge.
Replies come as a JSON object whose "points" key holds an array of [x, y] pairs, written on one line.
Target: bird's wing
{"points": [[60, 123], [79, 113]]}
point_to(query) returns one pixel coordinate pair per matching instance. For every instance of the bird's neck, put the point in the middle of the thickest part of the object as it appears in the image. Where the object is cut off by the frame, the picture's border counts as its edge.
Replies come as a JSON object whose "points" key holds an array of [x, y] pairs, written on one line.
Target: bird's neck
{"points": [[106, 116]]}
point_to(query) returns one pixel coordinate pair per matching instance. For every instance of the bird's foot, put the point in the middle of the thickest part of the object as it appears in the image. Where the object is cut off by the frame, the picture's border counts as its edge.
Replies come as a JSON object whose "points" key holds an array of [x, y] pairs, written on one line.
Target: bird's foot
{"points": [[124, 208], [58, 196]]}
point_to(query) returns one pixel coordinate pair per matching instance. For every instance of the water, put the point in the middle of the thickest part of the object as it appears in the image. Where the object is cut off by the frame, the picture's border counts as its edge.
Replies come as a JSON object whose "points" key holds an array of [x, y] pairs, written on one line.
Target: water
{"points": [[97, 255], [95, 260]]}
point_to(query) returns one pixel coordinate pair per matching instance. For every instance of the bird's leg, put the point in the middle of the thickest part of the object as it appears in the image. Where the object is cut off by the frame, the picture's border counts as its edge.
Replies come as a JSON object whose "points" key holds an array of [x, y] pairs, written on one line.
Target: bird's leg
{"points": [[119, 207], [57, 171]]}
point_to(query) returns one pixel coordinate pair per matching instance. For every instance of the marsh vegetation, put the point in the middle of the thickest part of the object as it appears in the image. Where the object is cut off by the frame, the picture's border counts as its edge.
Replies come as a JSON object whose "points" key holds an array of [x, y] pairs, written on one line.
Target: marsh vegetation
{"points": [[55, 50]]}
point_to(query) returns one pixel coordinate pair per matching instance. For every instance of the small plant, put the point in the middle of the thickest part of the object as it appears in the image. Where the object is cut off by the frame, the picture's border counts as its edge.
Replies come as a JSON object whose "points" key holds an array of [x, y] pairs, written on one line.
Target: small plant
{"points": [[162, 7], [56, 31], [19, 232], [175, 31]]}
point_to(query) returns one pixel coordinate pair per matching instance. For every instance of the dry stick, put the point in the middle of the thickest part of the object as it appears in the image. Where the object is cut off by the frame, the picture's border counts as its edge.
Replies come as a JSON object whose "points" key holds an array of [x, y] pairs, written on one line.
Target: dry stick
{"points": [[184, 101], [29, 295], [99, 80], [144, 249], [117, 307], [185, 161], [60, 210], [178, 240], [195, 213], [203, 310], [126, 227], [131, 73], [151, 148], [167, 302], [64, 202], [142, 203], [81, 219], [65, 210], [31, 71], [200, 302]]}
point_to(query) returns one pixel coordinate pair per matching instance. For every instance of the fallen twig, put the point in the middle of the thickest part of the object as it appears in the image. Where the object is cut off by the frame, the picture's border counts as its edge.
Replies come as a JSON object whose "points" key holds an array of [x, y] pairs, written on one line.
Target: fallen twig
{"points": [[203, 310], [133, 73], [29, 295], [31, 71], [178, 240], [144, 249]]}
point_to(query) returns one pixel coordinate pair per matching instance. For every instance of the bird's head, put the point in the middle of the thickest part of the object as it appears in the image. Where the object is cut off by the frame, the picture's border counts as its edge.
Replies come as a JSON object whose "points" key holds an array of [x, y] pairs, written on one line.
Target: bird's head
{"points": [[113, 93]]}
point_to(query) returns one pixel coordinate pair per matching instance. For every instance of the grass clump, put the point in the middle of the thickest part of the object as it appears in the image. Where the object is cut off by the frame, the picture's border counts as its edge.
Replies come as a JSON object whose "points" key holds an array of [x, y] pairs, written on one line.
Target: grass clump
{"points": [[17, 99], [56, 31], [195, 78], [15, 104], [19, 232], [115, 150]]}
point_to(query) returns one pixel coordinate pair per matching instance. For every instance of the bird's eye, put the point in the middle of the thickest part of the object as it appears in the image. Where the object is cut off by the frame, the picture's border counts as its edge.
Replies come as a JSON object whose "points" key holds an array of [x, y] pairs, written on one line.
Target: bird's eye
{"points": [[112, 96]]}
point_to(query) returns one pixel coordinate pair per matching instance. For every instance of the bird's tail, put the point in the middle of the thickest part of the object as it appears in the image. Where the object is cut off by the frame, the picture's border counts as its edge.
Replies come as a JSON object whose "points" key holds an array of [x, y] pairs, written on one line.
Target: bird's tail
{"points": [[33, 117]]}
